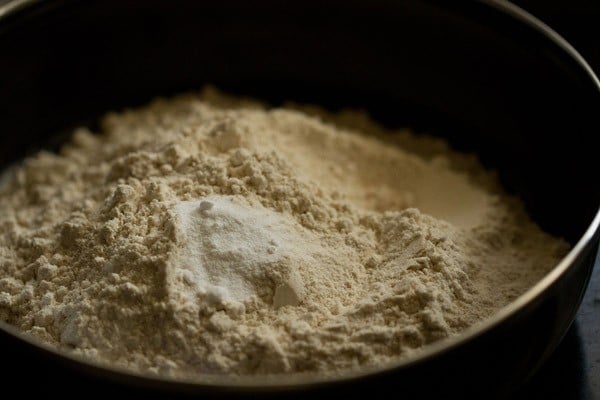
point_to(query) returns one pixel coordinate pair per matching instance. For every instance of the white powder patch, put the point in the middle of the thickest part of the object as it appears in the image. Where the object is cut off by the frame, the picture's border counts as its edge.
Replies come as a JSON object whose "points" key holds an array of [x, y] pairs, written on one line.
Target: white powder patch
{"points": [[229, 249]]}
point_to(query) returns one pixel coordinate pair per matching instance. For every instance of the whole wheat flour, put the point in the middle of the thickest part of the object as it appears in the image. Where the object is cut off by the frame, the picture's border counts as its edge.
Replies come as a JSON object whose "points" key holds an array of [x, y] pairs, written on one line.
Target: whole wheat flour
{"points": [[206, 234]]}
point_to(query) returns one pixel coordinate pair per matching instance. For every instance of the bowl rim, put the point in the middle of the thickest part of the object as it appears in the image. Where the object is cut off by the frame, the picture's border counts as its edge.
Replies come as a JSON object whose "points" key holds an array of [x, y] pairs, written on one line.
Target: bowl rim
{"points": [[288, 382]]}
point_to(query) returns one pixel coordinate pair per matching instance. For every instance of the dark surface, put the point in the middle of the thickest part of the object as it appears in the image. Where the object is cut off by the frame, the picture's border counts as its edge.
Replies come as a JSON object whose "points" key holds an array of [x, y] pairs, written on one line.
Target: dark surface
{"points": [[573, 371], [589, 323], [486, 86]]}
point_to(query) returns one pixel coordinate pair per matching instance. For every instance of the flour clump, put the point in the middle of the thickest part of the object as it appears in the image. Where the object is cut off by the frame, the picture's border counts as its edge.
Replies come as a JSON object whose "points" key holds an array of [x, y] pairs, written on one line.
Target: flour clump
{"points": [[207, 234]]}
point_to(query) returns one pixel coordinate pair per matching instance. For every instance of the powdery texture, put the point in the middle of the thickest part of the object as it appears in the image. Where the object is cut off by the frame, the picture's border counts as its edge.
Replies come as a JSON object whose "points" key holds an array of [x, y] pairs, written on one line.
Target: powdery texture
{"points": [[351, 249]]}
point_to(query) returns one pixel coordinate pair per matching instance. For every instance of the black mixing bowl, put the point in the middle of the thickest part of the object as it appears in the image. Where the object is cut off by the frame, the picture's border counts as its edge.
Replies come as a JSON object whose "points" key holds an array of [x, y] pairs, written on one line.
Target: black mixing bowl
{"points": [[485, 75]]}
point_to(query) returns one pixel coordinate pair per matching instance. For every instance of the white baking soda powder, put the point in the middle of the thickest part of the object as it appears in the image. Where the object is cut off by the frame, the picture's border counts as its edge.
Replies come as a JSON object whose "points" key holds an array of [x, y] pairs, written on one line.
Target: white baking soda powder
{"points": [[230, 249]]}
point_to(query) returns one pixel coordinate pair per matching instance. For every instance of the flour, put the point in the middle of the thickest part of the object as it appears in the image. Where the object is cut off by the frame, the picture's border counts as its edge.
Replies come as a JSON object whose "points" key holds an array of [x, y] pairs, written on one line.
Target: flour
{"points": [[206, 234]]}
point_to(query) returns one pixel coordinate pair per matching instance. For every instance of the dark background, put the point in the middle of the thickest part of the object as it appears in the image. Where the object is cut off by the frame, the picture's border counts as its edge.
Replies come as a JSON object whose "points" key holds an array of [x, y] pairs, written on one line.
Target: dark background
{"points": [[573, 372]]}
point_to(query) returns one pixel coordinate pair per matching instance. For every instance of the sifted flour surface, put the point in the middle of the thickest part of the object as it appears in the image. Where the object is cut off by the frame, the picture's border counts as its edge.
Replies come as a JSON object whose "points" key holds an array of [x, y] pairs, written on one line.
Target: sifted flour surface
{"points": [[207, 234]]}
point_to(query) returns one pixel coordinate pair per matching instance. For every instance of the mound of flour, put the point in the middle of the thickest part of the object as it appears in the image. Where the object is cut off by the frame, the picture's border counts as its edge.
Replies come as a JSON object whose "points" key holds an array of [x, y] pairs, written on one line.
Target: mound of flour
{"points": [[207, 234]]}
